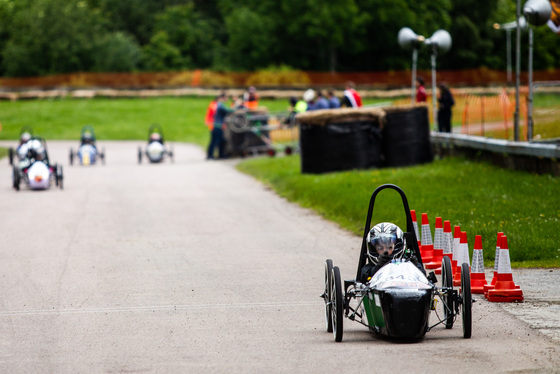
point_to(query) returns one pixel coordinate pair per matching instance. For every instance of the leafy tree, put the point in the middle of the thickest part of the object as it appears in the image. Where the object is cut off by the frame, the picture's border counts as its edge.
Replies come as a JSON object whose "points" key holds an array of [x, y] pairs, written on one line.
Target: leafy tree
{"points": [[50, 36], [192, 33], [116, 52], [251, 40], [161, 55]]}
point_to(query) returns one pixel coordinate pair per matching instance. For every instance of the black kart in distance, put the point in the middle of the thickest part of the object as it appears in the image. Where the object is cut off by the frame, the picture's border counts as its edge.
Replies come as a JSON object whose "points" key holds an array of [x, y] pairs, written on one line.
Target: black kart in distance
{"points": [[398, 300]]}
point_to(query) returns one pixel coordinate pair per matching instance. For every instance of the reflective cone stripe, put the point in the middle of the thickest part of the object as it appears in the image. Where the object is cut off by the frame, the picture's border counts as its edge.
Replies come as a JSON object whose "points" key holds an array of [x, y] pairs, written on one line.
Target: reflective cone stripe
{"points": [[415, 225], [462, 257], [478, 278], [427, 247], [447, 240], [505, 290], [456, 243], [438, 248], [496, 261], [426, 233]]}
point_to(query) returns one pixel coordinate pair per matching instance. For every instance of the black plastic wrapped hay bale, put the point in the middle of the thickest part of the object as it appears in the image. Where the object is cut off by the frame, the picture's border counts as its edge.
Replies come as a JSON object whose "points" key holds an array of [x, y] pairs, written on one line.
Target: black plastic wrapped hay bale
{"points": [[343, 139], [406, 136]]}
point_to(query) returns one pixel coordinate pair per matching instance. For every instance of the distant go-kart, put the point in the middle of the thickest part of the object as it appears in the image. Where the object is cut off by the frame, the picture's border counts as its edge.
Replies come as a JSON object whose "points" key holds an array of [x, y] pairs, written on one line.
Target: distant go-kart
{"points": [[35, 170], [155, 150], [25, 135], [397, 301], [87, 152]]}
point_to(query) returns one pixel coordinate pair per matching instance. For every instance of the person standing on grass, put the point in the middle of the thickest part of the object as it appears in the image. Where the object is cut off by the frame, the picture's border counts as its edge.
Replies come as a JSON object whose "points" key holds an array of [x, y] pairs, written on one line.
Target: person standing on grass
{"points": [[334, 102], [217, 135], [351, 98], [421, 95], [446, 102], [322, 102], [210, 111]]}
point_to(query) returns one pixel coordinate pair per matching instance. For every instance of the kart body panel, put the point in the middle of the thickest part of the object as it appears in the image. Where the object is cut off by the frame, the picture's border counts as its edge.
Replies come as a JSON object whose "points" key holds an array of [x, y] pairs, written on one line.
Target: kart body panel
{"points": [[87, 154], [39, 176], [155, 152], [398, 301]]}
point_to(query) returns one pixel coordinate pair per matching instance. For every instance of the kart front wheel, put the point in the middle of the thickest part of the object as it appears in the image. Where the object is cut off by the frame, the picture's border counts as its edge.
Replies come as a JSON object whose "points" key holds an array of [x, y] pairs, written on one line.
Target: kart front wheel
{"points": [[327, 295], [448, 299], [71, 158], [16, 178], [337, 304], [466, 296]]}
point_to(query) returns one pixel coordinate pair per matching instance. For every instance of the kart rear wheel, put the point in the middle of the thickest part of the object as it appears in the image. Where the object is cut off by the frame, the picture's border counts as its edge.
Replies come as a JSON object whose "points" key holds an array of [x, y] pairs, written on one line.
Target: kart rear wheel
{"points": [[102, 156], [59, 176], [71, 157], [466, 296], [139, 155], [337, 304], [447, 282], [11, 155], [327, 295]]}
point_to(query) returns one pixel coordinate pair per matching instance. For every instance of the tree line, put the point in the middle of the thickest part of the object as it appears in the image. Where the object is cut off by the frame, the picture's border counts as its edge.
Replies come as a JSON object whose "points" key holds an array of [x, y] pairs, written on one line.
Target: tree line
{"points": [[42, 37]]}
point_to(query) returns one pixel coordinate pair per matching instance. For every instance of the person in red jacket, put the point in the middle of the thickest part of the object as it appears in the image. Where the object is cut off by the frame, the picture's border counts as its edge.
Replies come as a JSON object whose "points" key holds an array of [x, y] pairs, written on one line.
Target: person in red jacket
{"points": [[421, 95], [351, 98]]}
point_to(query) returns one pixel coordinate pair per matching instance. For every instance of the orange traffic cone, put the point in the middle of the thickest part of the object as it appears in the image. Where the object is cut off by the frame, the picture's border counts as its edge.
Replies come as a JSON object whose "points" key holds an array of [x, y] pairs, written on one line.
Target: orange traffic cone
{"points": [[427, 247], [455, 250], [415, 225], [496, 262], [438, 248], [478, 278], [505, 290], [462, 257]]}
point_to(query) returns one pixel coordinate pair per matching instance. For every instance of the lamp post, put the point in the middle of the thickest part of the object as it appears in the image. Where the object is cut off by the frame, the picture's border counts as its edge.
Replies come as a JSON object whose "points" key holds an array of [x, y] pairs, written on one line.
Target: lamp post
{"points": [[439, 42], [537, 12], [507, 27], [409, 40]]}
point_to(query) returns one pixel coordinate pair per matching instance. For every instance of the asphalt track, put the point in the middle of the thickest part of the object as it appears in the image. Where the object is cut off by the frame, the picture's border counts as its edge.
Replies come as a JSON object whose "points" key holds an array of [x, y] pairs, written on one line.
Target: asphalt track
{"points": [[193, 267]]}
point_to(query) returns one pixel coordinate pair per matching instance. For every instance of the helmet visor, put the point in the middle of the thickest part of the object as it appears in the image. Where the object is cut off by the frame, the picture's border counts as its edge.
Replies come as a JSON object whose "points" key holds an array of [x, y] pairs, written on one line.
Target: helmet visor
{"points": [[384, 243]]}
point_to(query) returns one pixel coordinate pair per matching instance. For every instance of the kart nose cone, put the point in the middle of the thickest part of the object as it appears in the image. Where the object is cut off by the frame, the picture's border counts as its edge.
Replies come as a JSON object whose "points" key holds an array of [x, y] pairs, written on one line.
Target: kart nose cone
{"points": [[406, 312]]}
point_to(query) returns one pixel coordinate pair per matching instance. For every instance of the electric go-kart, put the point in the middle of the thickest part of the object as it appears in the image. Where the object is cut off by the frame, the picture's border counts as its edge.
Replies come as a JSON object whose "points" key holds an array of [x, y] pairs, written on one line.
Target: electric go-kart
{"points": [[155, 150], [87, 152], [34, 170], [398, 299], [20, 152]]}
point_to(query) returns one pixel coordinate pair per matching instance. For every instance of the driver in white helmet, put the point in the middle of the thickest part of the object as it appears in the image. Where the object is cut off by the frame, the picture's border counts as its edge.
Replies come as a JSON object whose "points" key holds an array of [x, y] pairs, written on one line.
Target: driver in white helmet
{"points": [[385, 242]]}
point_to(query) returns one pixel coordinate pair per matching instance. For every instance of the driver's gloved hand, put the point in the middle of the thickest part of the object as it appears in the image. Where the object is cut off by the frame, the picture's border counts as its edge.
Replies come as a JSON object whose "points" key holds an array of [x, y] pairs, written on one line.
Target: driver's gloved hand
{"points": [[383, 259]]}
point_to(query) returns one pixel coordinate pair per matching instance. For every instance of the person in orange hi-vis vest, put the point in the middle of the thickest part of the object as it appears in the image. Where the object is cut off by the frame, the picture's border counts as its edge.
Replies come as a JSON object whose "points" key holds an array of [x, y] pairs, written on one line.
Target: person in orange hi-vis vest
{"points": [[209, 119], [250, 98]]}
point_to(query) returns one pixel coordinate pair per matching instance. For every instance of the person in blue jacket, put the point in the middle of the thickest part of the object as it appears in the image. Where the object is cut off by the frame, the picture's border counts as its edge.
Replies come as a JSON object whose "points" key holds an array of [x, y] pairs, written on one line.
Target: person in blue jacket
{"points": [[217, 135]]}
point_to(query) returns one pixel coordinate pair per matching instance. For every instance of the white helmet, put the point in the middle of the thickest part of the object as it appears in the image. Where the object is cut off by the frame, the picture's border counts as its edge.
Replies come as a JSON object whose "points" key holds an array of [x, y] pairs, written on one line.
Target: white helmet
{"points": [[309, 95], [385, 239], [24, 138]]}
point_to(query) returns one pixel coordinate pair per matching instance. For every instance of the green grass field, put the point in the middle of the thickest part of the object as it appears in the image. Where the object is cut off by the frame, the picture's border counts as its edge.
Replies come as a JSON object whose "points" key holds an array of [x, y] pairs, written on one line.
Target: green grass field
{"points": [[479, 197]]}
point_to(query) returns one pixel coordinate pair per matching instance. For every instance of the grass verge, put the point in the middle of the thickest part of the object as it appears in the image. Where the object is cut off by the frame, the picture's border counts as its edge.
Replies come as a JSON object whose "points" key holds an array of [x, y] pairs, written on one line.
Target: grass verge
{"points": [[481, 198]]}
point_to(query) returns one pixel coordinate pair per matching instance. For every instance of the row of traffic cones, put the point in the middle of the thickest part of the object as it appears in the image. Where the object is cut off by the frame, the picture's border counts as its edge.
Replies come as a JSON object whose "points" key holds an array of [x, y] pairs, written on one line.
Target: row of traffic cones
{"points": [[455, 245]]}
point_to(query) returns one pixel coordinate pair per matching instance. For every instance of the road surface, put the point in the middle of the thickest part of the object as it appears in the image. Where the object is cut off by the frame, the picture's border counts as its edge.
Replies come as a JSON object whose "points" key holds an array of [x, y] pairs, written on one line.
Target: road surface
{"points": [[194, 267]]}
